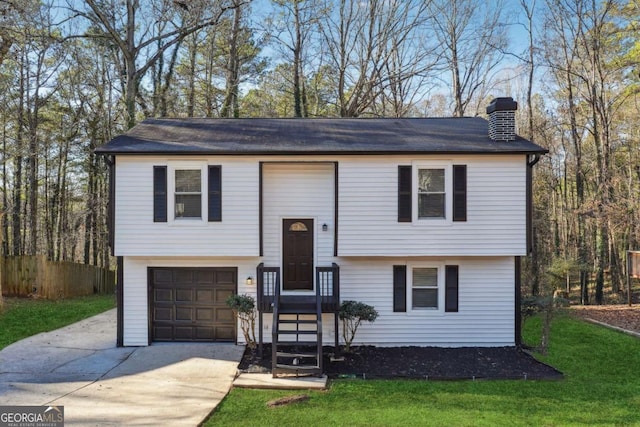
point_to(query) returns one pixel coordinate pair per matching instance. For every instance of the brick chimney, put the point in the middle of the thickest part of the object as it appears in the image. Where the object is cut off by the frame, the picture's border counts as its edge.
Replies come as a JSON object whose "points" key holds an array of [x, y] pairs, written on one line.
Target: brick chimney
{"points": [[502, 119]]}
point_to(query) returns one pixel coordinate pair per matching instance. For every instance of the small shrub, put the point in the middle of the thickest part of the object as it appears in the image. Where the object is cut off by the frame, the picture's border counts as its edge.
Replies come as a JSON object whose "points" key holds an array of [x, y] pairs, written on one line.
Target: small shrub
{"points": [[352, 313], [531, 305], [244, 308]]}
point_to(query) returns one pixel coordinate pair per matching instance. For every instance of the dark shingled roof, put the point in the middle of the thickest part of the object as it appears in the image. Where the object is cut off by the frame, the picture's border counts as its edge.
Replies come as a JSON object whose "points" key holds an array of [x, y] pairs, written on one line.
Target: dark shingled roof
{"points": [[313, 136]]}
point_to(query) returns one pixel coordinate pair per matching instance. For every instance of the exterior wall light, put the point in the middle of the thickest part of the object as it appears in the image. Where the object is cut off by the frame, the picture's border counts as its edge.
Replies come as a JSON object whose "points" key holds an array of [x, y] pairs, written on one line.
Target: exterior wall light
{"points": [[325, 227], [249, 281]]}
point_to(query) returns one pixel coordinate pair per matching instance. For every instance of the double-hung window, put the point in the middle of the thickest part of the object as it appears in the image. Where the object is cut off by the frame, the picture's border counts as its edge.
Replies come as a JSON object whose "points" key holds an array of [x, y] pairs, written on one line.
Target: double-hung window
{"points": [[188, 193], [432, 194], [424, 288]]}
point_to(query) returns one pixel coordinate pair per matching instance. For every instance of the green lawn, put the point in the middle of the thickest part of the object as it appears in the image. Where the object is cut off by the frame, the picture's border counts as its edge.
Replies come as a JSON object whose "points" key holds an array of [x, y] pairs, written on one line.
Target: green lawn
{"points": [[602, 387], [22, 318]]}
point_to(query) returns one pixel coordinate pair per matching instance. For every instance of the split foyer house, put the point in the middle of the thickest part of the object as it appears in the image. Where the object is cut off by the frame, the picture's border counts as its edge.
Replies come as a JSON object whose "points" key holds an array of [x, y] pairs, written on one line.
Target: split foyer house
{"points": [[424, 219]]}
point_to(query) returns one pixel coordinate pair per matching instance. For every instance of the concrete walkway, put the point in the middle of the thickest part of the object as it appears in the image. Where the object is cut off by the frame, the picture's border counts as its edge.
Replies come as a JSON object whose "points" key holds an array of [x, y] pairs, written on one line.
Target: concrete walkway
{"points": [[251, 380], [80, 368]]}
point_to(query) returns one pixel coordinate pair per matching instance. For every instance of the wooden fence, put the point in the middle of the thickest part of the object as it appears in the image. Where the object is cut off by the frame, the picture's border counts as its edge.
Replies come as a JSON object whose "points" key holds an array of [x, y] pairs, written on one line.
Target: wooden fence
{"points": [[35, 275]]}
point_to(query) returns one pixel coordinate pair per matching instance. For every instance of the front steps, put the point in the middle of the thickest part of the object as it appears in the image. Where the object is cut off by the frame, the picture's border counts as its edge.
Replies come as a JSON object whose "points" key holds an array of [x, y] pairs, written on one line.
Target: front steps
{"points": [[297, 339]]}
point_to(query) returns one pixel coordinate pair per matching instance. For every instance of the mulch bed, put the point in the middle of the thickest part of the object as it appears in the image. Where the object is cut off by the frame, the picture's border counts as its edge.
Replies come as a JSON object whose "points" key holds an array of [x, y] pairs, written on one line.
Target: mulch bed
{"points": [[431, 363]]}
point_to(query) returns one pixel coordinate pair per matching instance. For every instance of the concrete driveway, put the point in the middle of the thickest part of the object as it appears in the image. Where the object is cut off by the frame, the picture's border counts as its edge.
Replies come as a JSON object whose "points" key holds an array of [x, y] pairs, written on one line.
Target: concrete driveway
{"points": [[80, 368]]}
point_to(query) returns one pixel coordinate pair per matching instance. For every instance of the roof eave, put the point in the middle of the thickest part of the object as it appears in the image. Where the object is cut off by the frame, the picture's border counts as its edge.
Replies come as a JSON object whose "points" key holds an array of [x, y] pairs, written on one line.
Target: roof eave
{"points": [[315, 153]]}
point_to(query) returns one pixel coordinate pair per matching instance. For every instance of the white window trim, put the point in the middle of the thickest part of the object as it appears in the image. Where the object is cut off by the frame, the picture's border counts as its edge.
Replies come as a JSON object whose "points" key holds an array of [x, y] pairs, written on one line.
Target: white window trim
{"points": [[171, 190], [441, 290], [448, 188]]}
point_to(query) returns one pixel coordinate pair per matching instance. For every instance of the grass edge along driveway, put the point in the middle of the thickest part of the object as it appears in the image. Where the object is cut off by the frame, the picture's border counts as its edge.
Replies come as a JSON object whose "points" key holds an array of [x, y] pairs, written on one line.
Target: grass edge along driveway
{"points": [[24, 317], [602, 387]]}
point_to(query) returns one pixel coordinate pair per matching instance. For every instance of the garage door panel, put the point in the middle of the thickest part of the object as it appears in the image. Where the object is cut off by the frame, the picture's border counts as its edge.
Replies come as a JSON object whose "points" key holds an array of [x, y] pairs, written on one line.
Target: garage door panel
{"points": [[224, 315], [205, 333], [225, 277], [163, 295], [183, 333], [225, 333], [205, 276], [163, 333], [221, 295], [204, 315], [163, 314], [184, 294], [184, 314], [183, 276], [188, 304], [162, 275], [204, 296]]}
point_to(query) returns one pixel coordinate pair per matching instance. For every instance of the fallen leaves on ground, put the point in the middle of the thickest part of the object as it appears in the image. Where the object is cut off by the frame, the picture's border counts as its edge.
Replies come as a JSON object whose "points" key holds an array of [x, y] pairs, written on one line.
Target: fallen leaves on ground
{"points": [[622, 316]]}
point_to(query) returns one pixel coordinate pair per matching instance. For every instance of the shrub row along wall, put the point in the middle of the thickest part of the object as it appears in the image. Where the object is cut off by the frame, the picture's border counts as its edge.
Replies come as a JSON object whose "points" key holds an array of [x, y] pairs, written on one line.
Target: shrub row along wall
{"points": [[25, 275]]}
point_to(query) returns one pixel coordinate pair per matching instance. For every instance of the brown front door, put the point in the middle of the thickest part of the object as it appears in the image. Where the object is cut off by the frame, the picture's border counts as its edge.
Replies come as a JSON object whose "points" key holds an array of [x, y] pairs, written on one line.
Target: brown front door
{"points": [[297, 254]]}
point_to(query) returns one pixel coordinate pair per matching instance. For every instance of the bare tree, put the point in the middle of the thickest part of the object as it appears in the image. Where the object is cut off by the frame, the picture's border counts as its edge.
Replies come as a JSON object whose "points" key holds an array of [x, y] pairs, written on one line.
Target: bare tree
{"points": [[230, 103], [410, 77], [241, 59], [292, 27], [585, 53], [375, 46], [529, 7], [472, 39], [135, 38]]}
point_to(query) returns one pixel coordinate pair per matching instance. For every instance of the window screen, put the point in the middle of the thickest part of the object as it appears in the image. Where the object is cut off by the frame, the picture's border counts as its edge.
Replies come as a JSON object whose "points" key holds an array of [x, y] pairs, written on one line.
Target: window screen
{"points": [[431, 193], [425, 288], [188, 193]]}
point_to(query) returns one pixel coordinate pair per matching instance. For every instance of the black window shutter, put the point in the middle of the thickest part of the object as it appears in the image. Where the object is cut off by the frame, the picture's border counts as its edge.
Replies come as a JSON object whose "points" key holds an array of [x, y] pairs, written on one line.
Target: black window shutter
{"points": [[215, 193], [159, 194], [404, 193], [451, 288], [459, 192], [399, 288]]}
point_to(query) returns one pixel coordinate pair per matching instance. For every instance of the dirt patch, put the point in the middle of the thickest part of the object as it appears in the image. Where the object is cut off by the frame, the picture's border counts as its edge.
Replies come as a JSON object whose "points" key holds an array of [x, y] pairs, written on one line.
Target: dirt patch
{"points": [[622, 316], [288, 400], [422, 363]]}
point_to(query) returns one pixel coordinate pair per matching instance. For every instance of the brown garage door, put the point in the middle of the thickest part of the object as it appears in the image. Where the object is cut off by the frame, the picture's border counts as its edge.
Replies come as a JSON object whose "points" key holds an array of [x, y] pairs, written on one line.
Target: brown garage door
{"points": [[188, 304]]}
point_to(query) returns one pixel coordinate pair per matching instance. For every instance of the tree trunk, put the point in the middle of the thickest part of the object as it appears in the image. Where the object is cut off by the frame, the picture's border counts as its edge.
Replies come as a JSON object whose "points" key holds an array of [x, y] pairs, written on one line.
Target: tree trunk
{"points": [[16, 221], [230, 103], [32, 167], [164, 108], [131, 93], [297, 63], [4, 248], [193, 55], [88, 221]]}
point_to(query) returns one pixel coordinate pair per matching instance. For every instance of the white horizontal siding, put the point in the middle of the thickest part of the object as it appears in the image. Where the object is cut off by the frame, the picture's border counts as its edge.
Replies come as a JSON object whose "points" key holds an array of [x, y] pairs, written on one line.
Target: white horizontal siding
{"points": [[368, 226], [298, 191], [137, 234], [485, 318], [371, 240], [136, 304], [486, 301], [486, 304], [496, 210]]}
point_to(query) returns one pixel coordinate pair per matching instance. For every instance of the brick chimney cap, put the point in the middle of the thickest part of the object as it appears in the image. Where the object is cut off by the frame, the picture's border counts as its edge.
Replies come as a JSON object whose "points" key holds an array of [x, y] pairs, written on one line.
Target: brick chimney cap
{"points": [[502, 104]]}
